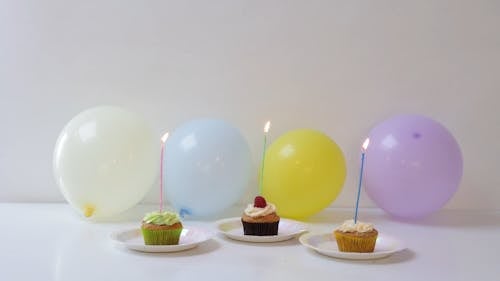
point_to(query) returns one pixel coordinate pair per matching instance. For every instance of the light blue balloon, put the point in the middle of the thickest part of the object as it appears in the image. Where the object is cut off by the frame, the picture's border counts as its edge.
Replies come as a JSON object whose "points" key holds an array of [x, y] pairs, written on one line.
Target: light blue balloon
{"points": [[207, 167]]}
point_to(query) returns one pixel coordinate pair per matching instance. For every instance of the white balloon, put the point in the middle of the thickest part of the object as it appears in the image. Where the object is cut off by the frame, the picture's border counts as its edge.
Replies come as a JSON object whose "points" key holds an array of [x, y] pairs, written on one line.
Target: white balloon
{"points": [[105, 161]]}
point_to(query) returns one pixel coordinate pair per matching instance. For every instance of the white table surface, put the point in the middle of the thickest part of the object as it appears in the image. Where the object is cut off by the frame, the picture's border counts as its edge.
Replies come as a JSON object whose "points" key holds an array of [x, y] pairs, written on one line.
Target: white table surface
{"points": [[51, 242]]}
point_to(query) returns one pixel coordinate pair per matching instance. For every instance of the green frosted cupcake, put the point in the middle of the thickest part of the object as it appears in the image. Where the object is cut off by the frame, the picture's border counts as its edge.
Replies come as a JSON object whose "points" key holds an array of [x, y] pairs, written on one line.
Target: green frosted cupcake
{"points": [[161, 228]]}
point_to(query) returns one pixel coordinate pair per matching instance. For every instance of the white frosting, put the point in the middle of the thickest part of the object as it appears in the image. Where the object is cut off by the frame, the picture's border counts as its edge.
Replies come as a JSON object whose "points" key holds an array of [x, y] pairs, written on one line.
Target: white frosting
{"points": [[350, 226], [254, 212]]}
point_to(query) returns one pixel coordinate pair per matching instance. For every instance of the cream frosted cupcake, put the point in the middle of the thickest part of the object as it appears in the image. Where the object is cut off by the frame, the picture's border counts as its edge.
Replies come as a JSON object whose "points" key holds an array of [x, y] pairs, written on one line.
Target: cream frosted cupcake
{"points": [[161, 228], [260, 218], [356, 237]]}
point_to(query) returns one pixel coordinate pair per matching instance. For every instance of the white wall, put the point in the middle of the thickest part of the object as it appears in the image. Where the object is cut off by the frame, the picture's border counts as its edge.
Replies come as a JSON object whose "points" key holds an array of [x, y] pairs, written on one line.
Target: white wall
{"points": [[337, 66]]}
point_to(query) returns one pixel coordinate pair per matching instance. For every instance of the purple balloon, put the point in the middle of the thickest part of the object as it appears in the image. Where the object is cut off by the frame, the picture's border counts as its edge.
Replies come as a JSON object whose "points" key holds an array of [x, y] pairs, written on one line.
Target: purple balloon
{"points": [[413, 166]]}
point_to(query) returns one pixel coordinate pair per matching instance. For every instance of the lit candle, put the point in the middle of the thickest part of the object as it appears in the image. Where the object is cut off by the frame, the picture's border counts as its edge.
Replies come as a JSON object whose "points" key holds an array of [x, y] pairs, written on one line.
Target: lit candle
{"points": [[266, 130], [363, 151], [163, 140]]}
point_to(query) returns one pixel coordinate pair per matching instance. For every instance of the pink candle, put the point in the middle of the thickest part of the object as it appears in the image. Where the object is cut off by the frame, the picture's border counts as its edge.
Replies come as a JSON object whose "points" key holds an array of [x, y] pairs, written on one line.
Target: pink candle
{"points": [[163, 140]]}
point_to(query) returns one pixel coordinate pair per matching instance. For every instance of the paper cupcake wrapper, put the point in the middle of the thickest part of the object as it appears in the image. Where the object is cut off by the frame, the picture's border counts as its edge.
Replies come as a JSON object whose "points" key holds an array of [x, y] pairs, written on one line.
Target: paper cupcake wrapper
{"points": [[260, 228], [347, 243], [161, 237]]}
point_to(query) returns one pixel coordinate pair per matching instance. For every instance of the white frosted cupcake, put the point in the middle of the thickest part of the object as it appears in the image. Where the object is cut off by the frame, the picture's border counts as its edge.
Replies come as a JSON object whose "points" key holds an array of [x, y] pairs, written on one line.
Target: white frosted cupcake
{"points": [[356, 237]]}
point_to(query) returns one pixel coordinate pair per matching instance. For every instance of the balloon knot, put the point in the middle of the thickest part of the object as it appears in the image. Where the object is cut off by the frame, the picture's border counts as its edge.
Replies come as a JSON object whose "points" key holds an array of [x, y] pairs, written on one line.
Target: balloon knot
{"points": [[183, 212], [88, 210]]}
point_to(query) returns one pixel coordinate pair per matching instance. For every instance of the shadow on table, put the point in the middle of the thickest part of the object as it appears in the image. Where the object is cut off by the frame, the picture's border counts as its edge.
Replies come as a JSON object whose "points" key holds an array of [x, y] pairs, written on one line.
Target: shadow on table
{"points": [[86, 254], [457, 219], [202, 249], [290, 242], [400, 257]]}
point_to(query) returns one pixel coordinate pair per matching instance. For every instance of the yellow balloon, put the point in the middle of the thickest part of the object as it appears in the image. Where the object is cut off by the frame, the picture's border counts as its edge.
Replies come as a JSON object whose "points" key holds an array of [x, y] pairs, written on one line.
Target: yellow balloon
{"points": [[304, 171]]}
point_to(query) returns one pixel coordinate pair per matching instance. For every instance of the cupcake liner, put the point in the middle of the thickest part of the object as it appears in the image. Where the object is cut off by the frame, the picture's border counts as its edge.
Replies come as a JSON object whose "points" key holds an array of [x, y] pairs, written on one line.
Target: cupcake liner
{"points": [[359, 244], [260, 228], [161, 237]]}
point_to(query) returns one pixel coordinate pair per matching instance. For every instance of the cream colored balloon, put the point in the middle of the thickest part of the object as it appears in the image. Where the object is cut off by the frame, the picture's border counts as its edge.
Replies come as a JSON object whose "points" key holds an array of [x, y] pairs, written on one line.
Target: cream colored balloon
{"points": [[105, 161]]}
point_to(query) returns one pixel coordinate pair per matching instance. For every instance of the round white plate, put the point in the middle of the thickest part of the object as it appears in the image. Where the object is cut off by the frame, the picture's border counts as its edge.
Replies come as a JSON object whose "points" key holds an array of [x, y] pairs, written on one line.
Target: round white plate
{"points": [[132, 239], [326, 244], [233, 228]]}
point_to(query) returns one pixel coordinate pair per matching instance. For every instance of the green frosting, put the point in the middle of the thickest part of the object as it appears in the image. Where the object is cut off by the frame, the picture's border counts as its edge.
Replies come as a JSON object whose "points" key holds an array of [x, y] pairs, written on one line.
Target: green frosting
{"points": [[159, 218]]}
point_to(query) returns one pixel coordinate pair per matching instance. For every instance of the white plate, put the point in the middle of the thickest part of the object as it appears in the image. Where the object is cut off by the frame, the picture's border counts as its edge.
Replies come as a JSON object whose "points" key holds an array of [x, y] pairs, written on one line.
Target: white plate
{"points": [[233, 228], [326, 244], [132, 239]]}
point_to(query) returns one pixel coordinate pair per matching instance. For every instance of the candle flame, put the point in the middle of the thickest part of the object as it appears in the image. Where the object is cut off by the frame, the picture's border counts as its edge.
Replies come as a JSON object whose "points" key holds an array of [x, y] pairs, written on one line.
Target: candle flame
{"points": [[165, 137], [366, 143], [267, 126]]}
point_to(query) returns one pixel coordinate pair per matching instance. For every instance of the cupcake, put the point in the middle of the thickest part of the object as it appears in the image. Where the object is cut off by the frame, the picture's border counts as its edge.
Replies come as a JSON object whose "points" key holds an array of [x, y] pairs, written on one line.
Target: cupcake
{"points": [[260, 218], [161, 228], [356, 237]]}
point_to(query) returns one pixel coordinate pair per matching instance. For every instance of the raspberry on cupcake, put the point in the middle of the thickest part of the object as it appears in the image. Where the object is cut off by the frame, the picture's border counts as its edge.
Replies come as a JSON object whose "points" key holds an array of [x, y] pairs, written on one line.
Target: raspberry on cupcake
{"points": [[260, 218]]}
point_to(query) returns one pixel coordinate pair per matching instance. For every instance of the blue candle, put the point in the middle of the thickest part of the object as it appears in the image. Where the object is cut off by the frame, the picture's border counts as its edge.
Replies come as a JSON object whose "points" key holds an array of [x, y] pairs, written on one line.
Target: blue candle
{"points": [[364, 147]]}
